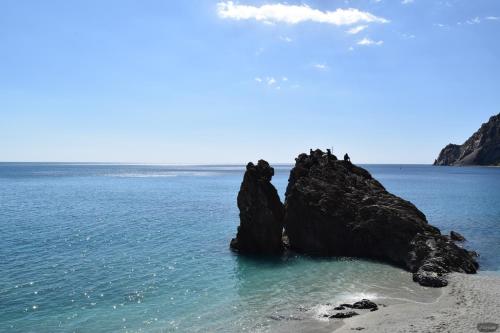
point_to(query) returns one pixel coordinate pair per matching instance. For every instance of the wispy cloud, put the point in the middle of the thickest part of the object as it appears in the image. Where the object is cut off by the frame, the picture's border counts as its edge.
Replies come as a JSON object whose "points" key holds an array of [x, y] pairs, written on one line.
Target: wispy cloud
{"points": [[272, 82], [407, 2], [267, 80], [441, 25], [286, 39], [368, 42], [357, 29], [478, 20], [407, 36], [321, 67], [293, 14], [474, 20]]}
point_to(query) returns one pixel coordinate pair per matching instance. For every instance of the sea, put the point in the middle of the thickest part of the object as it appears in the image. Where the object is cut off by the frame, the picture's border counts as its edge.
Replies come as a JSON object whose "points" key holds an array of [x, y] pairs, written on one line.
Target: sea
{"points": [[145, 248]]}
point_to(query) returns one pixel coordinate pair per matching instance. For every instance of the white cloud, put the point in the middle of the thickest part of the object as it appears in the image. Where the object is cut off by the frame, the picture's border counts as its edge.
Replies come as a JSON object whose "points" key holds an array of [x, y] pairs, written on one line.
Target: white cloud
{"points": [[492, 18], [357, 29], [406, 2], [293, 14], [284, 78], [367, 42]]}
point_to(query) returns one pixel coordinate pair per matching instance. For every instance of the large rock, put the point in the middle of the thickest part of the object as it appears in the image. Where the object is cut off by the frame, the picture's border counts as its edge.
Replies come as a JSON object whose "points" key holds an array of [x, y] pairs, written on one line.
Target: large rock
{"points": [[334, 208], [482, 148], [261, 213]]}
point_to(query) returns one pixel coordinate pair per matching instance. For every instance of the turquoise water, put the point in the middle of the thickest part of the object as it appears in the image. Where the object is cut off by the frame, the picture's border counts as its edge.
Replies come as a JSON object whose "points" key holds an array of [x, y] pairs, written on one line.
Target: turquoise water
{"points": [[115, 248]]}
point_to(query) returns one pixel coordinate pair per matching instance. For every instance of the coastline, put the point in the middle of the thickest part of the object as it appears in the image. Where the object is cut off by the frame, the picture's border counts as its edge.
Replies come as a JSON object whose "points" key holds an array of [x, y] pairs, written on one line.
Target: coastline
{"points": [[467, 301]]}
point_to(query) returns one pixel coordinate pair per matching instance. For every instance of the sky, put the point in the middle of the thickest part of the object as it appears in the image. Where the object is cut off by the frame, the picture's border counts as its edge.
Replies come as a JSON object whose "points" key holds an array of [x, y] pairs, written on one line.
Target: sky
{"points": [[202, 82]]}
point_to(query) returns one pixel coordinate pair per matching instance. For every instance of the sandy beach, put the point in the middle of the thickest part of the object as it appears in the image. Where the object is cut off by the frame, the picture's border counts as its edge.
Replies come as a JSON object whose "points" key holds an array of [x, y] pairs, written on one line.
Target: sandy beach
{"points": [[466, 302]]}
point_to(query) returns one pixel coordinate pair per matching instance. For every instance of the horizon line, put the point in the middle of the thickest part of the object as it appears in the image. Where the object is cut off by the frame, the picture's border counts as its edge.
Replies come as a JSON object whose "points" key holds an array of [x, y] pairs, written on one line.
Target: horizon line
{"points": [[185, 164]]}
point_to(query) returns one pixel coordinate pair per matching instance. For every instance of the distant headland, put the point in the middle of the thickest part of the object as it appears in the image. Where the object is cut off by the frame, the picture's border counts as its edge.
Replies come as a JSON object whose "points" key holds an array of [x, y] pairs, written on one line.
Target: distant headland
{"points": [[482, 148]]}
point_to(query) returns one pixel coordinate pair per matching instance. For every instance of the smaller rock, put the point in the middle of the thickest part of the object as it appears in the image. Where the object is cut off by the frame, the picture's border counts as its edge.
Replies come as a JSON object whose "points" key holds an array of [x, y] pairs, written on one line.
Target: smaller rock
{"points": [[342, 315], [364, 304], [430, 279], [357, 328], [374, 309], [455, 236], [347, 305], [339, 308]]}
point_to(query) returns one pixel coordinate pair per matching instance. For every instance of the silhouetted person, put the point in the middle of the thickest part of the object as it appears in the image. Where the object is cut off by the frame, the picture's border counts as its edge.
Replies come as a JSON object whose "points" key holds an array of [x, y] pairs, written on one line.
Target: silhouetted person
{"points": [[329, 152], [347, 158]]}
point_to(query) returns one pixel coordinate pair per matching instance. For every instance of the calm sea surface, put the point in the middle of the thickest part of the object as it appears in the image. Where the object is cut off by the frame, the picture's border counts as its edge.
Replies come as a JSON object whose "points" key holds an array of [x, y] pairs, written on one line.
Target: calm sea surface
{"points": [[116, 248]]}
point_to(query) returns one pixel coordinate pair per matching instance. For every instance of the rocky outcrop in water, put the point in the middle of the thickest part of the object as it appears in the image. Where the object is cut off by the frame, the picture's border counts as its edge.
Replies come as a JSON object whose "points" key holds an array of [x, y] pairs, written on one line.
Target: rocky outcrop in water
{"points": [[335, 208], [482, 148], [261, 213]]}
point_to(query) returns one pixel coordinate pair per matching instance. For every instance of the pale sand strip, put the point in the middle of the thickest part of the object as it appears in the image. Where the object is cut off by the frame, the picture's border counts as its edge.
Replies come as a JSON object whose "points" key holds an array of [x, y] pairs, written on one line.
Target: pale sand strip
{"points": [[465, 302]]}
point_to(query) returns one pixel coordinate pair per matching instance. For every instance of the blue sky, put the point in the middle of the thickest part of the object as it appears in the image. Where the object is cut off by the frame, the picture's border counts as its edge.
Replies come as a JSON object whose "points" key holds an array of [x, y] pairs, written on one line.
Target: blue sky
{"points": [[228, 82]]}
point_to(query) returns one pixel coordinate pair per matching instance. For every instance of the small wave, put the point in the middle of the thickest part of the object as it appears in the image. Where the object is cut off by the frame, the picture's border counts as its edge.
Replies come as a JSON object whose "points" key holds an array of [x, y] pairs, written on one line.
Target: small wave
{"points": [[325, 309], [142, 175], [162, 175]]}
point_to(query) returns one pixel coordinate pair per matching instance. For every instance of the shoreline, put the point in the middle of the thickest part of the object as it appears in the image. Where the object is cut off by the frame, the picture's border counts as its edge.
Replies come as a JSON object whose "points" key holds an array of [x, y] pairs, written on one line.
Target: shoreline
{"points": [[467, 301]]}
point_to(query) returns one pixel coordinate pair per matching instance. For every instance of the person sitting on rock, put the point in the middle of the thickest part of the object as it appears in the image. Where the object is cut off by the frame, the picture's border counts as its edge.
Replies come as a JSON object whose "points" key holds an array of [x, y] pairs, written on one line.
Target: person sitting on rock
{"points": [[347, 158], [328, 152]]}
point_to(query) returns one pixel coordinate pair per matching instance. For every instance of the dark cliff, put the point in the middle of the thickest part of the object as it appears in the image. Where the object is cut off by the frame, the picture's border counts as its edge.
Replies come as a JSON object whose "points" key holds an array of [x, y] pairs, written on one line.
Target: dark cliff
{"points": [[482, 148]]}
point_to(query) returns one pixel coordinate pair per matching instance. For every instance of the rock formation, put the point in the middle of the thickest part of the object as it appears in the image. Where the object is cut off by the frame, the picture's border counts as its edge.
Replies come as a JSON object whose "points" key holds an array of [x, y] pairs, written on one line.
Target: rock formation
{"points": [[261, 213], [482, 148], [335, 208]]}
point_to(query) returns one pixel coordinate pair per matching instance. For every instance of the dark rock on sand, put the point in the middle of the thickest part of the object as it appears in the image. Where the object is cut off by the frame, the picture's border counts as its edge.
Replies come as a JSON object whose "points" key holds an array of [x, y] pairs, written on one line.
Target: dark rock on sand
{"points": [[455, 236], [261, 213], [432, 256], [430, 279], [346, 305], [338, 308], [342, 315], [482, 148], [364, 304], [335, 208]]}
